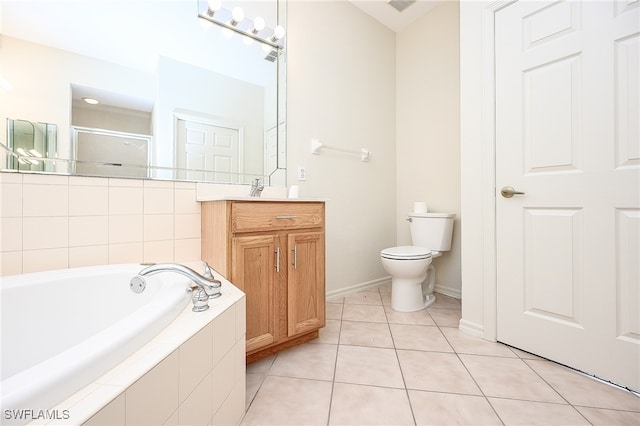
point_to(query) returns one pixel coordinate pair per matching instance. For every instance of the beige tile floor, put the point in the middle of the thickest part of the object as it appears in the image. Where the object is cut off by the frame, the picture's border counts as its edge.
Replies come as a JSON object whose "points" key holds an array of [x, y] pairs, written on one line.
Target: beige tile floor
{"points": [[372, 365]]}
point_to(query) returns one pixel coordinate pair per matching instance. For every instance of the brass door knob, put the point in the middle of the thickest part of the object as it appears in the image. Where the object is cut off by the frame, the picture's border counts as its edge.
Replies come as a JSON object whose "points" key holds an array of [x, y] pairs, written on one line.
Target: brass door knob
{"points": [[508, 192]]}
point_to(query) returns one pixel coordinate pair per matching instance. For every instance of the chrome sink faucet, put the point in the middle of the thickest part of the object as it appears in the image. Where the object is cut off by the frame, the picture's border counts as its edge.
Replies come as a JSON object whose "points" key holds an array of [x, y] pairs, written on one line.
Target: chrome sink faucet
{"points": [[204, 286], [256, 188]]}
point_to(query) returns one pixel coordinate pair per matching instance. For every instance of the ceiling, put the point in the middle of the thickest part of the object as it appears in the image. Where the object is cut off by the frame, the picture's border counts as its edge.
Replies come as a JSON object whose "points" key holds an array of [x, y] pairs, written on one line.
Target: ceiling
{"points": [[390, 17]]}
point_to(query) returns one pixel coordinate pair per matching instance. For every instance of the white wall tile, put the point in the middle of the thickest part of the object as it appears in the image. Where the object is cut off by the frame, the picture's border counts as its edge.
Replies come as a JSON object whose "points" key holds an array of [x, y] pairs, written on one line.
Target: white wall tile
{"points": [[45, 232], [158, 227], [10, 199], [224, 332], [112, 414], [154, 397], [187, 226], [44, 260], [158, 200], [88, 256], [196, 360], [45, 200], [11, 237], [125, 228], [125, 200], [188, 250], [38, 179], [240, 354], [88, 230], [185, 201], [10, 263], [98, 220], [135, 183], [87, 181], [126, 253], [241, 318], [184, 185], [158, 251], [232, 410], [11, 178], [88, 200], [166, 184], [224, 375], [197, 408]]}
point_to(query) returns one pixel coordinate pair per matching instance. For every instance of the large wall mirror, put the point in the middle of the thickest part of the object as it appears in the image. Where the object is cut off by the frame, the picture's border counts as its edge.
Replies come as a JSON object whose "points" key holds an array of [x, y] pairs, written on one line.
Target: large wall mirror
{"points": [[179, 97]]}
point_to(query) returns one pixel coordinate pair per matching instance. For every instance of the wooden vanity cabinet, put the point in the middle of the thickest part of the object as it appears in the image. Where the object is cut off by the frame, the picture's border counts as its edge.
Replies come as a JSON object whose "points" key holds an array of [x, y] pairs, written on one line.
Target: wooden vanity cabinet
{"points": [[274, 252]]}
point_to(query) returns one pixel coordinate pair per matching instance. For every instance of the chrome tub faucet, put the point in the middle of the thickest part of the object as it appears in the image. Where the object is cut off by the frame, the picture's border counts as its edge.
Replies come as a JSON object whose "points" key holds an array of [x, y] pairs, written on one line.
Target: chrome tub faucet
{"points": [[204, 286]]}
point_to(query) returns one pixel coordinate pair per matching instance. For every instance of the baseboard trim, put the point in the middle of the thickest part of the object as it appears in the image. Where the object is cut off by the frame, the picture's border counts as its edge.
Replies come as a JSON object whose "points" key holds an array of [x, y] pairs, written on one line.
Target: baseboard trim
{"points": [[345, 291], [471, 328], [448, 291]]}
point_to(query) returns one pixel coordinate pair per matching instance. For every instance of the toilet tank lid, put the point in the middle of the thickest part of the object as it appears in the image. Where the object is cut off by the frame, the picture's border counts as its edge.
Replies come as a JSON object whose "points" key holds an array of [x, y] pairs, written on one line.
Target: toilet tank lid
{"points": [[443, 215]]}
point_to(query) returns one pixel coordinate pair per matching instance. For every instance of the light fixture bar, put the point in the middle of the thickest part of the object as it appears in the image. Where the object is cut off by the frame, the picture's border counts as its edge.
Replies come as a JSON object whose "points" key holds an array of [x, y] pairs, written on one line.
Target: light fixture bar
{"points": [[223, 18]]}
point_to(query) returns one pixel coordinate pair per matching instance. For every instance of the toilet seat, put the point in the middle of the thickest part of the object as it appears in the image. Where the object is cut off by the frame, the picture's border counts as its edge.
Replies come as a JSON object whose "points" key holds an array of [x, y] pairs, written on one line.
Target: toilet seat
{"points": [[406, 253]]}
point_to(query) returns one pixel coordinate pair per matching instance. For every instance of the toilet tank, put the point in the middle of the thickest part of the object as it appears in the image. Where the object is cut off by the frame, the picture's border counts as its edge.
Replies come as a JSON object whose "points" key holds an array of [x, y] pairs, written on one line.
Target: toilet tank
{"points": [[432, 230]]}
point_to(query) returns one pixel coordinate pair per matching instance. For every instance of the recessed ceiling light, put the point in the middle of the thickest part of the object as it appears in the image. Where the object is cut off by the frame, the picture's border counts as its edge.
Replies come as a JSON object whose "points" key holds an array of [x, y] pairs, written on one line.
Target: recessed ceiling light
{"points": [[91, 101]]}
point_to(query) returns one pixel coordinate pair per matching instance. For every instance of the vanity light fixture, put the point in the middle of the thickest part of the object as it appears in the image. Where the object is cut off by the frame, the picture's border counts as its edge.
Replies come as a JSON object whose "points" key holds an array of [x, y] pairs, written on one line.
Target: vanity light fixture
{"points": [[236, 21]]}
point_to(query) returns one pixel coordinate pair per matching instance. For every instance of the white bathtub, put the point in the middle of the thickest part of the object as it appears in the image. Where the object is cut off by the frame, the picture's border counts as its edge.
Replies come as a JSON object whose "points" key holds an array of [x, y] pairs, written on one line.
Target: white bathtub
{"points": [[63, 329]]}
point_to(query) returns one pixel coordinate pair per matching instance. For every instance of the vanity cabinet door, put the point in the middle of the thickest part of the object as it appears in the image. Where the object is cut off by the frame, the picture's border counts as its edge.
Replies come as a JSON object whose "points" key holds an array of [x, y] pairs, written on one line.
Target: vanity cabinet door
{"points": [[254, 272], [305, 284]]}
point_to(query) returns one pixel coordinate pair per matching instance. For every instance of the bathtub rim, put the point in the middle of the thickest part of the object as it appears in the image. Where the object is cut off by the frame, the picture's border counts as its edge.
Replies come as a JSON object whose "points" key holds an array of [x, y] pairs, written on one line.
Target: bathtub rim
{"points": [[86, 402]]}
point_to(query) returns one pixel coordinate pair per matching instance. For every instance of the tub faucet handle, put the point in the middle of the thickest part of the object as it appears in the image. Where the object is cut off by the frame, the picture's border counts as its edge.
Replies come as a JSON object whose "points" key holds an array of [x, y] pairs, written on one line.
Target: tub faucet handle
{"points": [[207, 270]]}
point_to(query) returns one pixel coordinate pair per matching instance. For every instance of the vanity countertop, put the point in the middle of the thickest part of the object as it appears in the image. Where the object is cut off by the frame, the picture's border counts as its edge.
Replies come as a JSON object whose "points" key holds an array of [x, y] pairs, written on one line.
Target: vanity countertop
{"points": [[260, 199]]}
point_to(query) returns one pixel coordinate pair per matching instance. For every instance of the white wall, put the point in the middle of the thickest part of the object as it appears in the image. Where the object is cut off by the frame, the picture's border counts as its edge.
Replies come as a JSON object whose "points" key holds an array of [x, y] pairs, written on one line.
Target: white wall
{"points": [[428, 128], [42, 76], [341, 89]]}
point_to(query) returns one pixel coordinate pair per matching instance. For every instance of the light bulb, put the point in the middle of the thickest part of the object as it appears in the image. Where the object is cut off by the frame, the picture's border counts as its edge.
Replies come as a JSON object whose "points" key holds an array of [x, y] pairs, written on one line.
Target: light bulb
{"points": [[258, 25], [278, 33], [237, 15], [214, 5]]}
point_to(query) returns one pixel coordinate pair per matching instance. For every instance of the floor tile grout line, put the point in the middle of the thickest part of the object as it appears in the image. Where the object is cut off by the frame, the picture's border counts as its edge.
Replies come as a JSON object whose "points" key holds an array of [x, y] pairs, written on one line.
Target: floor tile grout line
{"points": [[335, 369], [395, 350], [484, 395]]}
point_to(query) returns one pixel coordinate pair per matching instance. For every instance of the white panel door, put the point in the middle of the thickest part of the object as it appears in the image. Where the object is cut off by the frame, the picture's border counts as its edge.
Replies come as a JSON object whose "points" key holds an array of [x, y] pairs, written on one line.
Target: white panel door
{"points": [[208, 152], [567, 119]]}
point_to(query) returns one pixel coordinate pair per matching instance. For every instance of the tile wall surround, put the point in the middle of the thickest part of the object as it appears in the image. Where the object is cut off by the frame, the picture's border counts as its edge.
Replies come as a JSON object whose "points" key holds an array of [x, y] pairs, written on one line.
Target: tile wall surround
{"points": [[201, 382], [55, 222]]}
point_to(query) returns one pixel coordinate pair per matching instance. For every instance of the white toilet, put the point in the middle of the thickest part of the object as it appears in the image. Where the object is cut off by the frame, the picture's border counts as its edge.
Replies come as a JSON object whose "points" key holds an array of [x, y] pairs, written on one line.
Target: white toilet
{"points": [[413, 277]]}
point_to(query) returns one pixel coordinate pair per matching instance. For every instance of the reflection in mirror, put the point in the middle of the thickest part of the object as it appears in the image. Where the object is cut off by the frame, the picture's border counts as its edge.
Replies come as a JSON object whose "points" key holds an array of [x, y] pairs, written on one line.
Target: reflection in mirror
{"points": [[29, 143], [177, 99]]}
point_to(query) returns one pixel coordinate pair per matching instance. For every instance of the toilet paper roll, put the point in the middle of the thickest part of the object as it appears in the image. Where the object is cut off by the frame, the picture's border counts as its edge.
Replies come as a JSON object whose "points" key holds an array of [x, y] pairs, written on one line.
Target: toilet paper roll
{"points": [[419, 207], [294, 191]]}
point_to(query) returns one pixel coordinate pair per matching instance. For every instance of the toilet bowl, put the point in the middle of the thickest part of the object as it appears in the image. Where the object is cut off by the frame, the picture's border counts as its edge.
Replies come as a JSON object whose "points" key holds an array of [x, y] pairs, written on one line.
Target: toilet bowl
{"points": [[413, 276]]}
